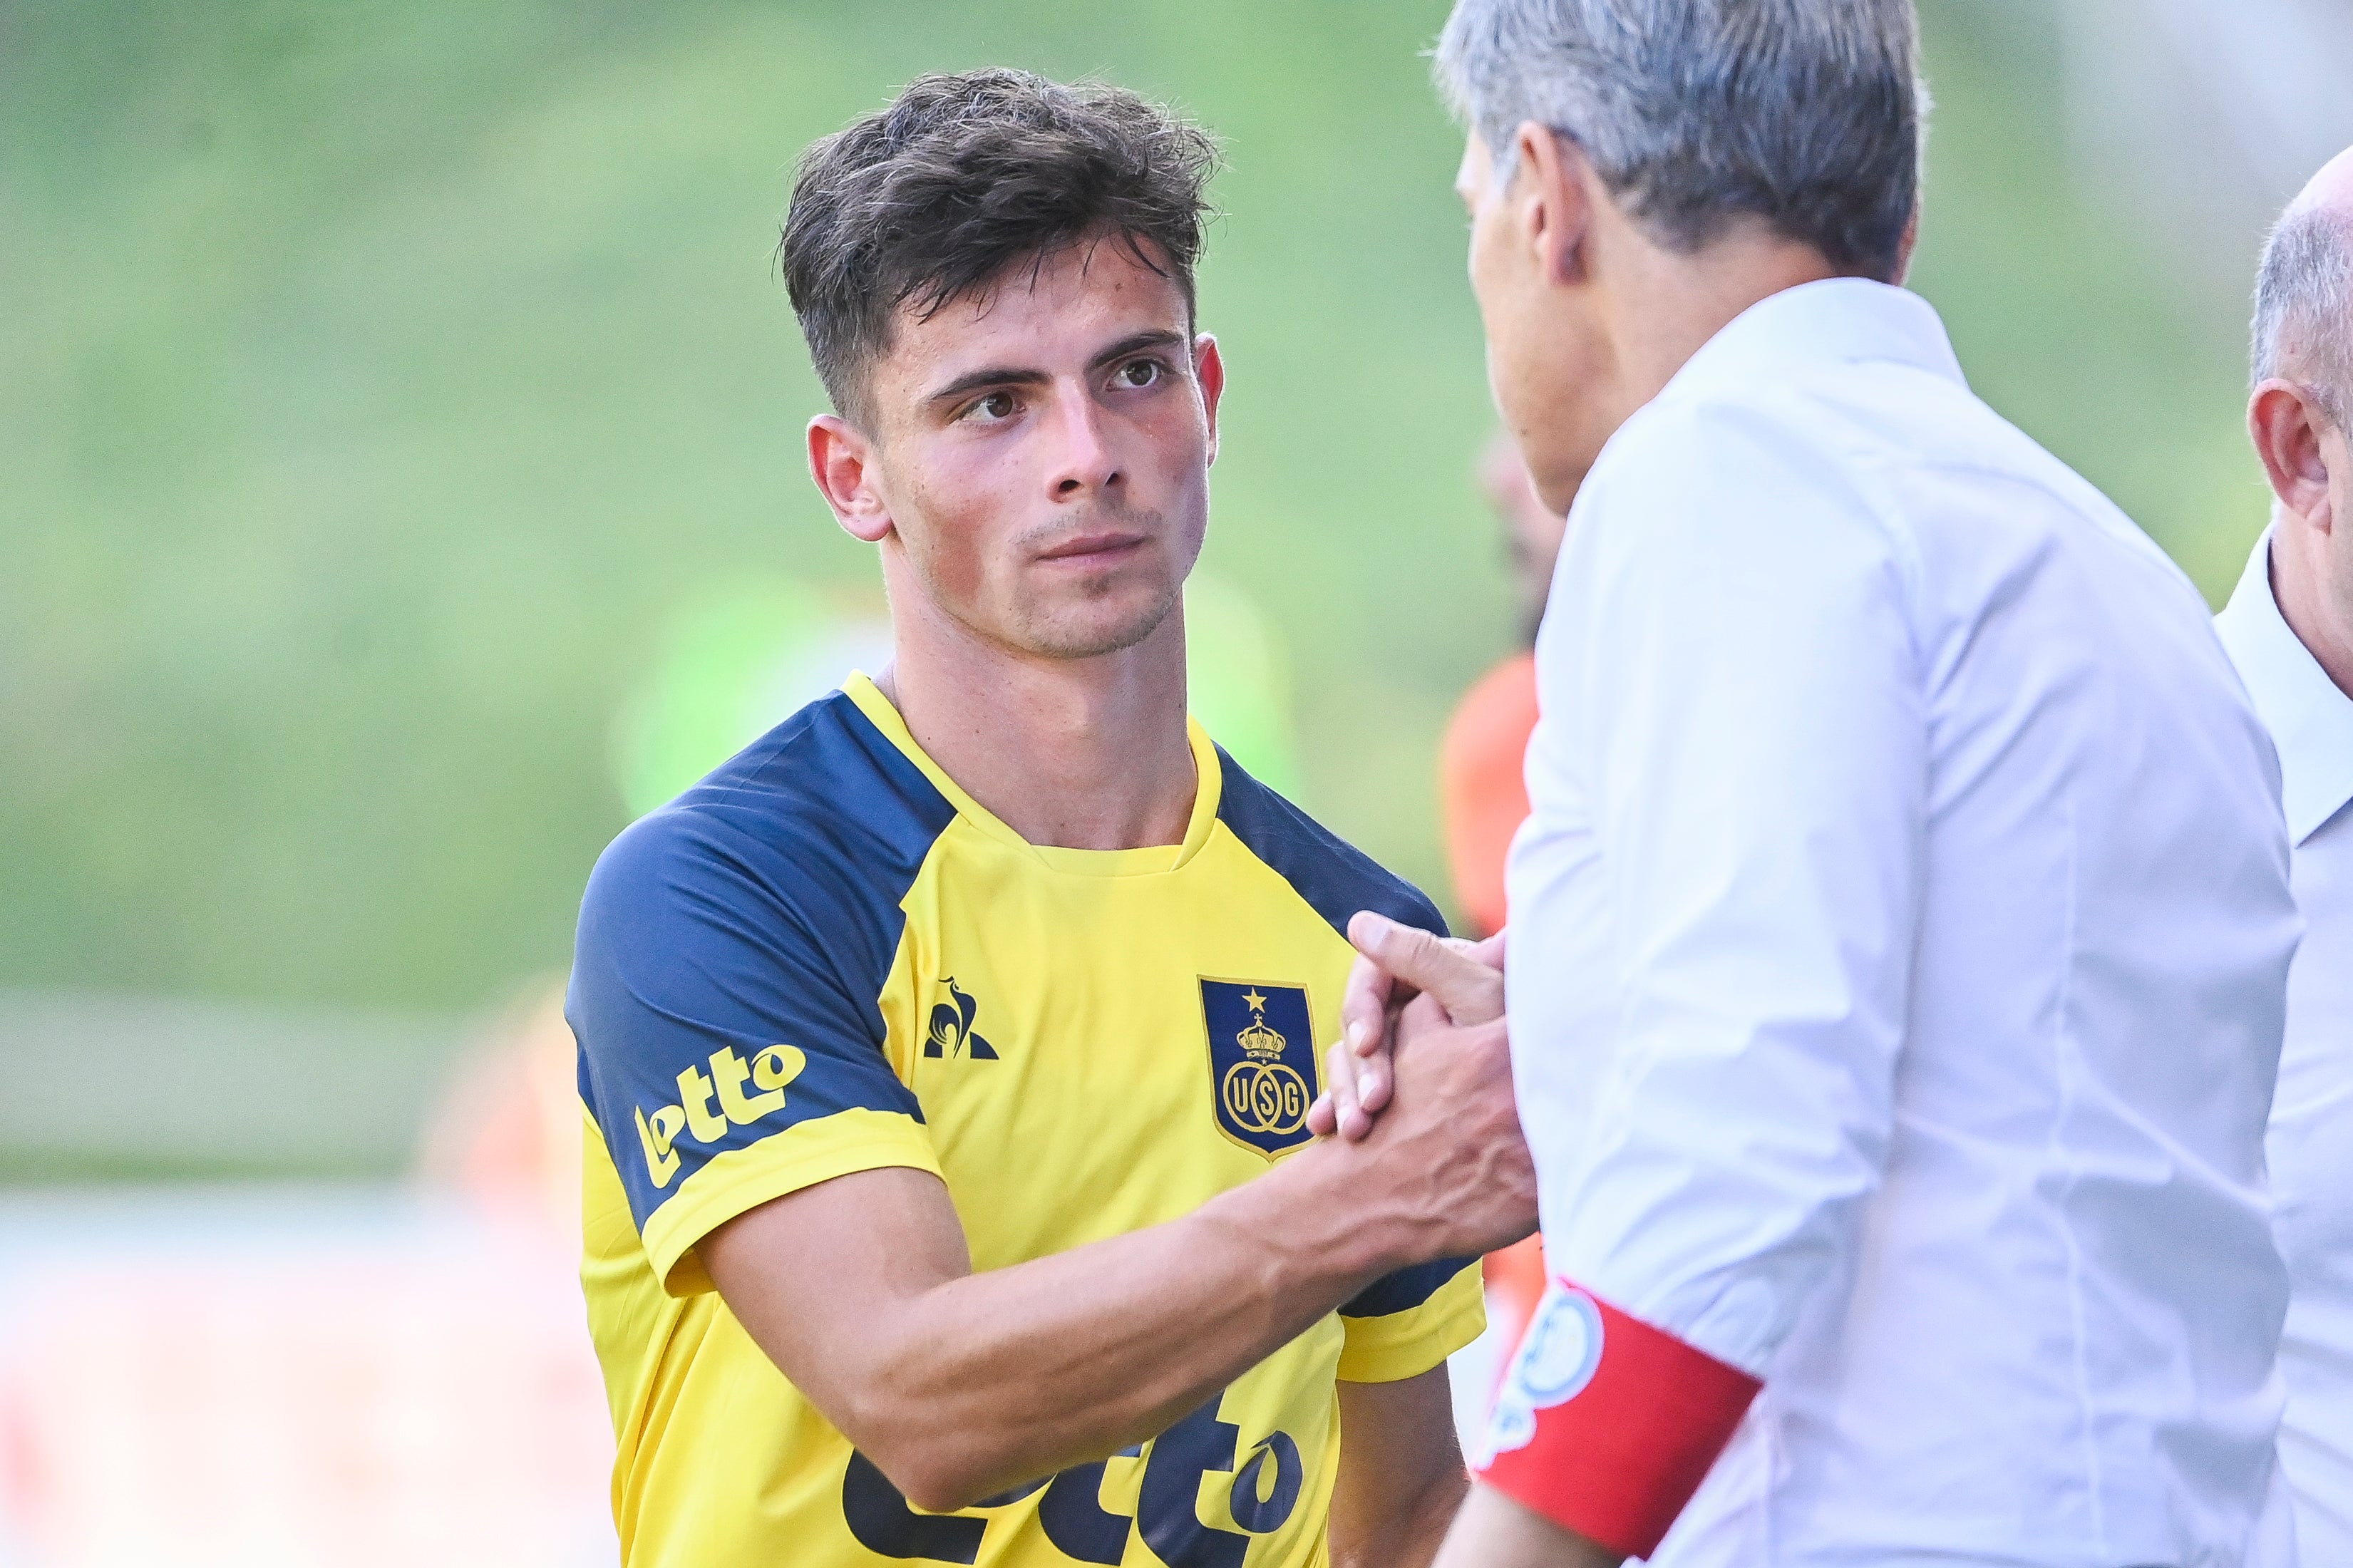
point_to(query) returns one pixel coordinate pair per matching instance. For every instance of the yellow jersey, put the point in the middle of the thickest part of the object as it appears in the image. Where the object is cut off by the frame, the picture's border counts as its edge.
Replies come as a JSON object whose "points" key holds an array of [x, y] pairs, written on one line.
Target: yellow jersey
{"points": [[826, 958]]}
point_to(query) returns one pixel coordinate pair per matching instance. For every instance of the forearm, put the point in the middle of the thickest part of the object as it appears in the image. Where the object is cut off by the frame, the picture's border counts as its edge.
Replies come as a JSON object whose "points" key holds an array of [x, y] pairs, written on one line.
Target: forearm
{"points": [[969, 1385], [1494, 1532], [1400, 1479], [1412, 1531]]}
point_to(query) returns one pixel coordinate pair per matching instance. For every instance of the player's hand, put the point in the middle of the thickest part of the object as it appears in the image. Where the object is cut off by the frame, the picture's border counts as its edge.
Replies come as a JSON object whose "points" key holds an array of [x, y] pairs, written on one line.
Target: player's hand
{"points": [[1449, 1149], [1395, 964]]}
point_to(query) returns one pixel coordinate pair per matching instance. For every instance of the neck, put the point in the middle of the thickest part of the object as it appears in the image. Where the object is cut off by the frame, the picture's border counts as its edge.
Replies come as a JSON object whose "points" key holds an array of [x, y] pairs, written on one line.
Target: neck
{"points": [[1076, 754], [1661, 308], [2301, 588]]}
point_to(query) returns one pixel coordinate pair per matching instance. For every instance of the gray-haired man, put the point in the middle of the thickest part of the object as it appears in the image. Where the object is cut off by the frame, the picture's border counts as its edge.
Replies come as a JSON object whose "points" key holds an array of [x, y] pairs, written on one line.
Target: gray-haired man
{"points": [[1899, 939], [2289, 628]]}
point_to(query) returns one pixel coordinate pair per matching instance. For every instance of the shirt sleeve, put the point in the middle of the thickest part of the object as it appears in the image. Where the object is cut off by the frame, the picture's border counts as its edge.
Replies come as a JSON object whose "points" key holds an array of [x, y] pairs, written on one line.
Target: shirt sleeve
{"points": [[1407, 1322], [724, 1054], [1731, 658]]}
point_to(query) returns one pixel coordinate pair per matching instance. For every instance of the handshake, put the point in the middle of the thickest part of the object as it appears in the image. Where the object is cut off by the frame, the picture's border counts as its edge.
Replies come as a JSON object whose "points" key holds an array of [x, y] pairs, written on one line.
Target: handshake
{"points": [[1420, 1086]]}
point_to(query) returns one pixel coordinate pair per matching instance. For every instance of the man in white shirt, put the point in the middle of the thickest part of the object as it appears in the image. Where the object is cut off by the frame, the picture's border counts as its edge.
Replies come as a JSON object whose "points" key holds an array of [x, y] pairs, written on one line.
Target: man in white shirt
{"points": [[1900, 937], [2289, 628]]}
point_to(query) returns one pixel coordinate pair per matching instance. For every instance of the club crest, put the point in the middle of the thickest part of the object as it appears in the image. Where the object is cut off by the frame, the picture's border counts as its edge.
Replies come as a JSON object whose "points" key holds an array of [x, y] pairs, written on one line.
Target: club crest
{"points": [[1262, 1062]]}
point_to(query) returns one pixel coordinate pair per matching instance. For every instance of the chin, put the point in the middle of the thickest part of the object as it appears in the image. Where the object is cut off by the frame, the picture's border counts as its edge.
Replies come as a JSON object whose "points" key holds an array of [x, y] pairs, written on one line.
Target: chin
{"points": [[1103, 627]]}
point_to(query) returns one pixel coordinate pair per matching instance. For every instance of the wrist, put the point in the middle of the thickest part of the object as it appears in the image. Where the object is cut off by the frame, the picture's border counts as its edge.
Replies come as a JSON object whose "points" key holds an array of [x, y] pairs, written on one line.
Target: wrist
{"points": [[1342, 1202], [1308, 1222]]}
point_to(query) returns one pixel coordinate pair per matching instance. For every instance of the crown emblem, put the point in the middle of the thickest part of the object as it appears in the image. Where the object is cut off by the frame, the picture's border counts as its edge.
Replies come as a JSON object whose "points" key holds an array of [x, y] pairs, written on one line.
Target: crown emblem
{"points": [[1262, 1044]]}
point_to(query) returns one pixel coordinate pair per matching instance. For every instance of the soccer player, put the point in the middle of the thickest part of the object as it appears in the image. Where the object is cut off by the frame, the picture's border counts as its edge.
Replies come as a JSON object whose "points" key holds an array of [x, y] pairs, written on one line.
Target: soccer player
{"points": [[948, 1052]]}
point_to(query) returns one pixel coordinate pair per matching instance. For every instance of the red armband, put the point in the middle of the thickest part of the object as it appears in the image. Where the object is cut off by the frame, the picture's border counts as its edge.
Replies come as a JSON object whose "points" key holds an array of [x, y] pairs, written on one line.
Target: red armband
{"points": [[1607, 1426]]}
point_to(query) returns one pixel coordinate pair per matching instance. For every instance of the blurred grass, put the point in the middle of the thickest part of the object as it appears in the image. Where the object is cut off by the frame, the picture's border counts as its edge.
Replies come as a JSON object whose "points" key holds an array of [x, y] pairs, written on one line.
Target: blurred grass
{"points": [[379, 378]]}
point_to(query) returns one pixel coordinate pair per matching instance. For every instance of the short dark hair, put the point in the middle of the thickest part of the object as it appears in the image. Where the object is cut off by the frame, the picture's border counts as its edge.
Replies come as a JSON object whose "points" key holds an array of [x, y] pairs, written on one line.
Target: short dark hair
{"points": [[964, 176]]}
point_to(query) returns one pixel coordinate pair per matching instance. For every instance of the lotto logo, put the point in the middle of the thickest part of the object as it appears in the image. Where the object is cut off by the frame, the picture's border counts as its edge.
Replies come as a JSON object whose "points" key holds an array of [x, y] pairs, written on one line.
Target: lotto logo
{"points": [[1262, 1496], [767, 1072]]}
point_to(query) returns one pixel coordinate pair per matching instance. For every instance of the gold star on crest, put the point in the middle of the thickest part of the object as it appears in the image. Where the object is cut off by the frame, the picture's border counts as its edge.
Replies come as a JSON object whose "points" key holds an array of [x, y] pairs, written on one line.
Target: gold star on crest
{"points": [[1256, 1003]]}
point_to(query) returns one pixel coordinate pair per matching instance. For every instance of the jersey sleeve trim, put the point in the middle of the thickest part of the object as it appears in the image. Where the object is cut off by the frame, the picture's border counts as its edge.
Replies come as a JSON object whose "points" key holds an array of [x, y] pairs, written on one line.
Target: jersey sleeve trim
{"points": [[1405, 1289], [1409, 1342], [739, 1180], [1606, 1425]]}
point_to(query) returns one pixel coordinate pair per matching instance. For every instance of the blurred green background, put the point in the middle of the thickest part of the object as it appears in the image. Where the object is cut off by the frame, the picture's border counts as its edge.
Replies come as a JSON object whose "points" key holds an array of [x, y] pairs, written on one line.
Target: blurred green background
{"points": [[381, 380]]}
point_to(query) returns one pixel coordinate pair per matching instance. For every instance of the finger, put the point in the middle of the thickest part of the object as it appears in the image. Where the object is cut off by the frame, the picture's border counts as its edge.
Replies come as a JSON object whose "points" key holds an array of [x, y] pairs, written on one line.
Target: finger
{"points": [[1364, 1006], [1374, 1070], [1470, 990], [1349, 1120]]}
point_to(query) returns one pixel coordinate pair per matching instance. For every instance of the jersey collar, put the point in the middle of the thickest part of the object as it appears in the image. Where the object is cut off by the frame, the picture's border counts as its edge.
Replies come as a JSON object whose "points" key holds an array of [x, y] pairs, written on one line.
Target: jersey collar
{"points": [[1156, 858]]}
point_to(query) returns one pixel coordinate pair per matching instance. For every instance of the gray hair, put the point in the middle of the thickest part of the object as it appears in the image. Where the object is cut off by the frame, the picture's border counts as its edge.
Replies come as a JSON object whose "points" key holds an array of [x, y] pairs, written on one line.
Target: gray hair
{"points": [[1807, 114], [2304, 306]]}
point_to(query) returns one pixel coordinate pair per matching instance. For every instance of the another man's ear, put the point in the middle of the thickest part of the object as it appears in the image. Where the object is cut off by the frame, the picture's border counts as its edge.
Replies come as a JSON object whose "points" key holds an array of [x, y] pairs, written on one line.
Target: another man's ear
{"points": [[841, 460], [2286, 424], [1906, 245], [1553, 186], [1209, 374]]}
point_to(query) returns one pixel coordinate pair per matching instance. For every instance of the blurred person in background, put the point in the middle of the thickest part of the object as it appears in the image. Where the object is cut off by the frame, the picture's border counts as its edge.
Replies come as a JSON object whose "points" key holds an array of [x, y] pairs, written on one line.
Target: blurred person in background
{"points": [[2289, 629], [947, 1052], [1482, 767], [1900, 935], [1484, 791]]}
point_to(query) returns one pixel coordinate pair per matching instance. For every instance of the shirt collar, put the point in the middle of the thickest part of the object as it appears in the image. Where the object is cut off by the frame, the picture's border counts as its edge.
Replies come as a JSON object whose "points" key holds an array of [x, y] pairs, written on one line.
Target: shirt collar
{"points": [[1835, 319], [2310, 720]]}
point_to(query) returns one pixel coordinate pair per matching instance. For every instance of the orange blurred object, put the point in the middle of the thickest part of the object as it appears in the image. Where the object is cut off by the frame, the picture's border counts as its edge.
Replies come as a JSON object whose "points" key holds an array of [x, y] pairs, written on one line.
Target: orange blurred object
{"points": [[1482, 787]]}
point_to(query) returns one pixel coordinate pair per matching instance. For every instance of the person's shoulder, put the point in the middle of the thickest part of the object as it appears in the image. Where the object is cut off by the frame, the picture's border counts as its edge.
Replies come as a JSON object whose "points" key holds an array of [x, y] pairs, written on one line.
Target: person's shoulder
{"points": [[1332, 876], [821, 811]]}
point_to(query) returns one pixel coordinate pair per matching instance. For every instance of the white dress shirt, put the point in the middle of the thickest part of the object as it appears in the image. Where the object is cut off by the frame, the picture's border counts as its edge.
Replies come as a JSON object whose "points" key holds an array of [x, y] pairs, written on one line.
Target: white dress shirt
{"points": [[2311, 1140], [1899, 946]]}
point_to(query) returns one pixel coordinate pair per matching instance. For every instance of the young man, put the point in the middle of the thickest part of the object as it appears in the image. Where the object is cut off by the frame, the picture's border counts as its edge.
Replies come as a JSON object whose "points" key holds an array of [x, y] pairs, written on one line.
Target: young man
{"points": [[948, 1052]]}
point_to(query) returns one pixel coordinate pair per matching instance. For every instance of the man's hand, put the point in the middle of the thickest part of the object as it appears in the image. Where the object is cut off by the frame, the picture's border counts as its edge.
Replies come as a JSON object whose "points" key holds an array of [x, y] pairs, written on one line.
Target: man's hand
{"points": [[1455, 1127], [1396, 963]]}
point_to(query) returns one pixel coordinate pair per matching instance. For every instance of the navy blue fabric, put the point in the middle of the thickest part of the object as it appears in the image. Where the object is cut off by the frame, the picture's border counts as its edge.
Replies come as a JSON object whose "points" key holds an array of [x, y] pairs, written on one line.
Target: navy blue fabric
{"points": [[1405, 1289], [760, 908], [1330, 873], [1338, 880]]}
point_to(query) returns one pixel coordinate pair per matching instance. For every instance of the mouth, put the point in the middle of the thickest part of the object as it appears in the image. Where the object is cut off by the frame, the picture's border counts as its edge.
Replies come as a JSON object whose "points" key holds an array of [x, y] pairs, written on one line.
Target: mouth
{"points": [[1096, 548]]}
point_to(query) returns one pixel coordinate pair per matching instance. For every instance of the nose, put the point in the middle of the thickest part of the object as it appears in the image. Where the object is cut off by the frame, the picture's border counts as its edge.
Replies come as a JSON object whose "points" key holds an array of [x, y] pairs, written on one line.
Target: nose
{"points": [[1083, 462]]}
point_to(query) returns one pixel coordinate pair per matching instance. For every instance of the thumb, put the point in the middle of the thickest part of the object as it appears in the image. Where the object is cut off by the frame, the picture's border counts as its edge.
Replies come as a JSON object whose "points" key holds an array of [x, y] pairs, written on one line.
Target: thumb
{"points": [[1454, 975]]}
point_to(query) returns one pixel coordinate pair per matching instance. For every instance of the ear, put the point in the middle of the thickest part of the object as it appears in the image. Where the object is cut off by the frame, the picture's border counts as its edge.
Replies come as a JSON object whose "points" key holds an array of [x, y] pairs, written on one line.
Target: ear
{"points": [[1209, 374], [841, 460], [1906, 245], [2286, 429], [1554, 189]]}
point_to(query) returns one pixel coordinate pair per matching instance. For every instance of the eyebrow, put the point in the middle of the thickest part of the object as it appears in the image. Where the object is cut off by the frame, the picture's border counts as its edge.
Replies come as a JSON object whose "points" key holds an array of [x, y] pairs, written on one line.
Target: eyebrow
{"points": [[1009, 375]]}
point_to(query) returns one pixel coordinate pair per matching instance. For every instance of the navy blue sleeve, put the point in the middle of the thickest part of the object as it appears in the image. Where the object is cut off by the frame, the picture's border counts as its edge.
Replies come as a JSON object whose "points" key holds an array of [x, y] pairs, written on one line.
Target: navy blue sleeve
{"points": [[727, 974], [1333, 876]]}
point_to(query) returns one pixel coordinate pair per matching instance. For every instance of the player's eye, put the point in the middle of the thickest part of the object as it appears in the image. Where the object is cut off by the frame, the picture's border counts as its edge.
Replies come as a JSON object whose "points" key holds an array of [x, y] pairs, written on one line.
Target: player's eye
{"points": [[1140, 373], [993, 409]]}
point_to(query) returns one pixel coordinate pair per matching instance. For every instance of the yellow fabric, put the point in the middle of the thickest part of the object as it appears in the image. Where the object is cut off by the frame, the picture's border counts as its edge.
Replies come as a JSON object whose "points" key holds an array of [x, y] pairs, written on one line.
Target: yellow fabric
{"points": [[742, 1179], [1395, 1347], [1097, 1116]]}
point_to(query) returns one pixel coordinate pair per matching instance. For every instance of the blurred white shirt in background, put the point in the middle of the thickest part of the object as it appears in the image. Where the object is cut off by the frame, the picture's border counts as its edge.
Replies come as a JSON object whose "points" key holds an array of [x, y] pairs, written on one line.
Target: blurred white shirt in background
{"points": [[2311, 1142]]}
